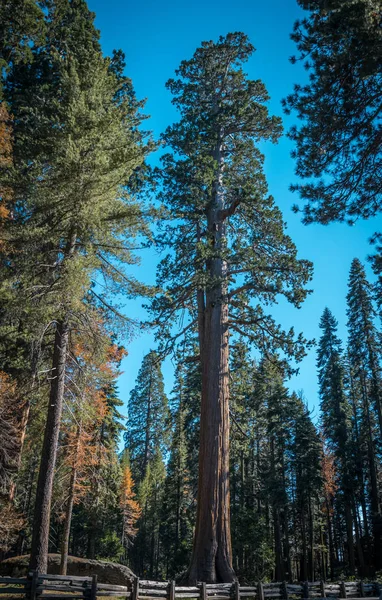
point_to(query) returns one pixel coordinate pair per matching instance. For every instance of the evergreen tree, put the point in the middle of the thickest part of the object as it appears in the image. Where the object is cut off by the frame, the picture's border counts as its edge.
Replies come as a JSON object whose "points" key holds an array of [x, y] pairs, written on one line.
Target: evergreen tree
{"points": [[306, 463], [147, 556], [253, 553], [277, 470], [131, 511], [228, 247], [19, 34], [364, 341], [178, 493], [72, 152], [147, 423], [338, 145], [366, 385], [336, 419]]}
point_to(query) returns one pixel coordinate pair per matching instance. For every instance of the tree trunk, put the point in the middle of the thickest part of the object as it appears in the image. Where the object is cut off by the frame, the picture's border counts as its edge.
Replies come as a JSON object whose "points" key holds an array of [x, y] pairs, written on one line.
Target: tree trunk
{"points": [[374, 498], [41, 521], [361, 560], [92, 537], [279, 564], [69, 510], [311, 541], [212, 552], [349, 533], [304, 558], [146, 459], [331, 544]]}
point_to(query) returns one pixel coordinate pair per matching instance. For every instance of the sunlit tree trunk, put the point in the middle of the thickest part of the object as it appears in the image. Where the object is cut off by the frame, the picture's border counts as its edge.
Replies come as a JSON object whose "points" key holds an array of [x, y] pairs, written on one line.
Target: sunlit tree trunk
{"points": [[212, 551]]}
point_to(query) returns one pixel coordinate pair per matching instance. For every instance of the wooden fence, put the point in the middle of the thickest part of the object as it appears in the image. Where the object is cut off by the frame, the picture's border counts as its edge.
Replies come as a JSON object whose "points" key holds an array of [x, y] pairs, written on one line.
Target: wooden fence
{"points": [[67, 587]]}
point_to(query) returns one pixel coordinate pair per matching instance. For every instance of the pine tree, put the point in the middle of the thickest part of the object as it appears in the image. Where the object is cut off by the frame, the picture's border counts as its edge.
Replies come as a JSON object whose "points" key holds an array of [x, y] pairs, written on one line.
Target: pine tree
{"points": [[131, 511], [19, 35], [147, 555], [338, 145], [365, 371], [176, 530], [277, 474], [67, 176], [253, 551], [330, 479], [147, 423], [364, 342], [306, 459], [336, 419], [91, 403], [228, 247]]}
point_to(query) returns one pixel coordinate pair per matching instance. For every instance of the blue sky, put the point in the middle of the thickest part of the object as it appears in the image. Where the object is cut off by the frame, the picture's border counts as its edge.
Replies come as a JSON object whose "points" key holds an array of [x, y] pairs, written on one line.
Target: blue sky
{"points": [[155, 37]]}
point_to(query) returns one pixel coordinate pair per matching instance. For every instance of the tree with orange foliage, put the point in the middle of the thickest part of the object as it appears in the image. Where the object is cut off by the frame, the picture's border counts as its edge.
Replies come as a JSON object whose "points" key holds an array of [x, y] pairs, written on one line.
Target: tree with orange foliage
{"points": [[5, 162], [92, 368], [329, 478], [131, 510]]}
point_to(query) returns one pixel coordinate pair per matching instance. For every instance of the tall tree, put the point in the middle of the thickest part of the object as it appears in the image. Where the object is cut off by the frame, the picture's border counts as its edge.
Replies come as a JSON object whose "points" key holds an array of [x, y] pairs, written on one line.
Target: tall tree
{"points": [[147, 425], [365, 369], [131, 511], [228, 247], [306, 459], [72, 216], [335, 411], [147, 555], [178, 493], [338, 144]]}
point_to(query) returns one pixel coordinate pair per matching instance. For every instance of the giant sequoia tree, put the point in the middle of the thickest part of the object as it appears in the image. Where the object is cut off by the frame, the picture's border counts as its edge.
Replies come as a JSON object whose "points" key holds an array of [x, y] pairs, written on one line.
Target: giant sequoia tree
{"points": [[228, 247]]}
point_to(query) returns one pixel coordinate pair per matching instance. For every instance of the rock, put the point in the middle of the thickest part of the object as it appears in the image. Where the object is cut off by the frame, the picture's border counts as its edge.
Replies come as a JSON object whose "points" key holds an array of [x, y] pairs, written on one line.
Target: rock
{"points": [[107, 572]]}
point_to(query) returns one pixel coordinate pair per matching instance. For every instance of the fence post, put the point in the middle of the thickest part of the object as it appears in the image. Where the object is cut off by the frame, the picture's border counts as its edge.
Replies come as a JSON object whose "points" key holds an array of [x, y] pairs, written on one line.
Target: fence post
{"points": [[305, 589], [361, 590], [284, 588], [34, 582], [135, 593], [342, 590], [260, 591], [203, 591], [171, 590], [236, 590], [322, 588], [93, 591]]}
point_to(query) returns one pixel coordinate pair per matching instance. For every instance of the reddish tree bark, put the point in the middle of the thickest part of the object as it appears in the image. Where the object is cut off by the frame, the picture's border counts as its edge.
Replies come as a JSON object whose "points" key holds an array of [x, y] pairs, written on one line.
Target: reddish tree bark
{"points": [[212, 551]]}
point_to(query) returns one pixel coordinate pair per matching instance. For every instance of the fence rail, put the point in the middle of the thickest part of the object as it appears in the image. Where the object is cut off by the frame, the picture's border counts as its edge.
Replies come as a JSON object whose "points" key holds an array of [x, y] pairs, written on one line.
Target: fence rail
{"points": [[67, 587]]}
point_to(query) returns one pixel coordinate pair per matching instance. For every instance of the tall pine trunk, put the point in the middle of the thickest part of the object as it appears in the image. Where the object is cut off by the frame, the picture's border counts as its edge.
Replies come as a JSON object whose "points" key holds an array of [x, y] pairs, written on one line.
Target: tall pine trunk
{"points": [[349, 532], [212, 551], [41, 521], [69, 509], [67, 525]]}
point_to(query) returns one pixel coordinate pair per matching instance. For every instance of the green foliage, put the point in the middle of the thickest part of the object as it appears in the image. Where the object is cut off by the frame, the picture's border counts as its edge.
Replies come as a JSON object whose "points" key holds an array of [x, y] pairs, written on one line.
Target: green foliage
{"points": [[110, 547], [224, 112], [334, 404], [364, 341], [147, 425], [178, 508], [338, 145], [147, 555]]}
